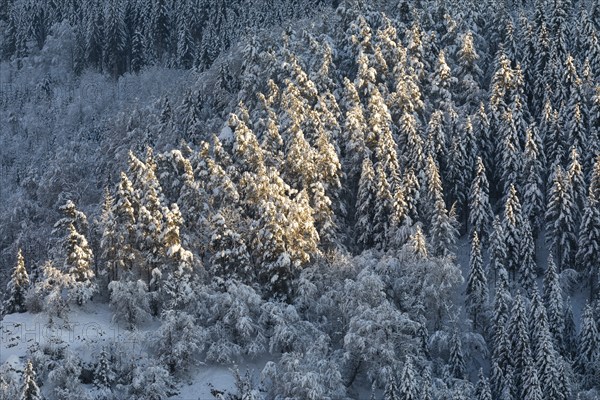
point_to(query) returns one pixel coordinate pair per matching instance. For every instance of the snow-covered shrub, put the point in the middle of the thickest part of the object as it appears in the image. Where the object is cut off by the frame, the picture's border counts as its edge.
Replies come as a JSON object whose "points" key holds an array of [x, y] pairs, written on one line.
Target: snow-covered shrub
{"points": [[178, 341], [421, 284], [10, 382], [377, 338], [246, 387], [311, 375], [235, 330], [285, 329], [151, 382], [130, 301], [52, 291], [47, 356], [64, 379]]}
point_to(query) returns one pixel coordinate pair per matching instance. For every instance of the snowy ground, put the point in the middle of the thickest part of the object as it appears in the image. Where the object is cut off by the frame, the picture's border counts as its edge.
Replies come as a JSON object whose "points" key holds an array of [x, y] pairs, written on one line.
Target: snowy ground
{"points": [[85, 334]]}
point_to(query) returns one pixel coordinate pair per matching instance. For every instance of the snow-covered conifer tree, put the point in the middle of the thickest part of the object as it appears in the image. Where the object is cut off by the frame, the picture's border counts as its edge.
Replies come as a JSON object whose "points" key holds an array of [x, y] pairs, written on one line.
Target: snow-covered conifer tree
{"points": [[513, 231], [528, 273], [365, 205], [457, 361], [477, 289], [383, 208], [588, 353], [518, 330], [588, 245], [480, 210], [408, 382], [533, 188], [560, 220], [230, 255], [17, 287], [554, 303], [30, 389], [78, 264], [483, 390]]}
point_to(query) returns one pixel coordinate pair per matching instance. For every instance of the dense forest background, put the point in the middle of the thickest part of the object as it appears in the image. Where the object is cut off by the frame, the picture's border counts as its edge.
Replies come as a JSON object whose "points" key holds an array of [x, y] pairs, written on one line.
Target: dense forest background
{"points": [[395, 199]]}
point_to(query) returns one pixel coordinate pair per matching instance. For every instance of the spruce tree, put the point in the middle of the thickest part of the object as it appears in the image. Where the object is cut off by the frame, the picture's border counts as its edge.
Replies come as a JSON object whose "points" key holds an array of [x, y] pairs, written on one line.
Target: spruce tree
{"points": [[444, 231], [577, 184], [510, 153], [365, 205], [554, 303], [103, 375], [560, 220], [383, 209], [230, 258], [588, 245], [78, 264], [17, 287], [457, 361], [518, 330], [595, 179], [391, 391], [477, 289], [30, 389], [588, 353], [533, 188], [483, 390], [355, 127], [497, 247], [547, 366], [480, 210], [418, 243], [528, 268], [386, 151], [569, 331], [408, 389], [531, 384], [538, 321], [513, 231]]}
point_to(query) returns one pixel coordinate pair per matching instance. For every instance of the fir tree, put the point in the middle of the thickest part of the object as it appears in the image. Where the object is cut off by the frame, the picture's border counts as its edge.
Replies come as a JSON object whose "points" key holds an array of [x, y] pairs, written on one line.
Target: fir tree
{"points": [[355, 126], [595, 179], [386, 152]]}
